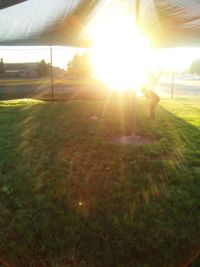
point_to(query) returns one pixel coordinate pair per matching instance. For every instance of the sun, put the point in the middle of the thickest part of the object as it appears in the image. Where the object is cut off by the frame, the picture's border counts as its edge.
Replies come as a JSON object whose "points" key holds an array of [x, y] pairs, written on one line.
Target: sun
{"points": [[120, 54]]}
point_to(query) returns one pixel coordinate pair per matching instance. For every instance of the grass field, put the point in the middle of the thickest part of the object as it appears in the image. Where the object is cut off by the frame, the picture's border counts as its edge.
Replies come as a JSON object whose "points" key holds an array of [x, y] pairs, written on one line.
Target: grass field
{"points": [[71, 198]]}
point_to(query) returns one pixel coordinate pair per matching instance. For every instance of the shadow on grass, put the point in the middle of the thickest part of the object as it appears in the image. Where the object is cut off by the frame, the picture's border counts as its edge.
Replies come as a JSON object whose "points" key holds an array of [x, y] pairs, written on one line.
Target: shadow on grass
{"points": [[69, 197]]}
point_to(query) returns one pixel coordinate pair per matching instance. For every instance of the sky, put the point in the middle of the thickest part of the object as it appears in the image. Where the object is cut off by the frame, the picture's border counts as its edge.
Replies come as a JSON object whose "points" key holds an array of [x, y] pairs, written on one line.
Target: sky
{"points": [[176, 59]]}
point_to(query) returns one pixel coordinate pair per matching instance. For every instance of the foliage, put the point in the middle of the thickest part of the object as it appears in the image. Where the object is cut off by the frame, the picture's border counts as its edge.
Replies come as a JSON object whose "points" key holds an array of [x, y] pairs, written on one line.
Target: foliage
{"points": [[43, 69], [69, 197], [2, 67], [80, 67], [195, 67]]}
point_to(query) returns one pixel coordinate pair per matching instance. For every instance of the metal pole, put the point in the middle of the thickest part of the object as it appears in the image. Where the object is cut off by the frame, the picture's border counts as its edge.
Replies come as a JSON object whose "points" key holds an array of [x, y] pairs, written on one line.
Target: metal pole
{"points": [[51, 73], [172, 85], [137, 11], [134, 115], [137, 15]]}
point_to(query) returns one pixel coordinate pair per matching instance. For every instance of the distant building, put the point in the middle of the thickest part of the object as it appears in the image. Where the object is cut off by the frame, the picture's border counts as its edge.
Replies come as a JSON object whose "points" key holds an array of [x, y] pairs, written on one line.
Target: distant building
{"points": [[58, 72], [21, 69], [28, 70]]}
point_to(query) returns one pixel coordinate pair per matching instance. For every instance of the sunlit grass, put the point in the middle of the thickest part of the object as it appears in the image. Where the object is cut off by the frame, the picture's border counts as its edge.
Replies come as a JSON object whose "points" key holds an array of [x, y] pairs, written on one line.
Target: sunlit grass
{"points": [[19, 102], [186, 108], [106, 205]]}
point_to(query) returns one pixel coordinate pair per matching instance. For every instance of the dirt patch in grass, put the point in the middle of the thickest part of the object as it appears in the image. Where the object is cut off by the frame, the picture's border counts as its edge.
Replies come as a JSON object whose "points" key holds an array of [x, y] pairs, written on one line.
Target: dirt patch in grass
{"points": [[132, 140]]}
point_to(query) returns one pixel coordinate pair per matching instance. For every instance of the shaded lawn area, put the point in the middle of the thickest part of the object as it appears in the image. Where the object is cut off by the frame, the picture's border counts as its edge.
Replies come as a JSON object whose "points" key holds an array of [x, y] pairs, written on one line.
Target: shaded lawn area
{"points": [[70, 198]]}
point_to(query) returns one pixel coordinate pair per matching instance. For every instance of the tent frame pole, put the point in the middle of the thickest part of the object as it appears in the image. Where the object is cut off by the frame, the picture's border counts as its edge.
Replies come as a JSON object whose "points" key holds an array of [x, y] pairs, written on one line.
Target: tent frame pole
{"points": [[134, 109], [137, 11], [172, 84], [51, 74]]}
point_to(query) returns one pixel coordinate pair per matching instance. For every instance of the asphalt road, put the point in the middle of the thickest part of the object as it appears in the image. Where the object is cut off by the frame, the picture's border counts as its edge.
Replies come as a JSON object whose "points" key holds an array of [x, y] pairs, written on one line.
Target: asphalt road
{"points": [[182, 87], [36, 90]]}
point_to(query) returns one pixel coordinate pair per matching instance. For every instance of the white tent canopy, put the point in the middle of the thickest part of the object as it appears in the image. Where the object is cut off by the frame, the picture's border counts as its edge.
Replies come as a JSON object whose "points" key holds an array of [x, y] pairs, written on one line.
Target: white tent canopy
{"points": [[168, 23], [45, 22]]}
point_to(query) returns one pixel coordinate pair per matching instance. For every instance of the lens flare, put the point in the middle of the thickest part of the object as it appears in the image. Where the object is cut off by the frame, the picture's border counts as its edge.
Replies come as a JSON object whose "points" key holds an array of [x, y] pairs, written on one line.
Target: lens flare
{"points": [[120, 54]]}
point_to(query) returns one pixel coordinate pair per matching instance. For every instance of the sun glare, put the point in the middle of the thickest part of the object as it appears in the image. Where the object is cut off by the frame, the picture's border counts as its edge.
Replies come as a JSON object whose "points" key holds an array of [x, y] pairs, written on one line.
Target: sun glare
{"points": [[120, 54]]}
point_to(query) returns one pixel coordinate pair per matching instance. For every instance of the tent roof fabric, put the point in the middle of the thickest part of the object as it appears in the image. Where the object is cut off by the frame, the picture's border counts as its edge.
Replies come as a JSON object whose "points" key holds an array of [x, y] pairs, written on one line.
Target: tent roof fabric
{"points": [[167, 23], [7, 3], [46, 22], [173, 22]]}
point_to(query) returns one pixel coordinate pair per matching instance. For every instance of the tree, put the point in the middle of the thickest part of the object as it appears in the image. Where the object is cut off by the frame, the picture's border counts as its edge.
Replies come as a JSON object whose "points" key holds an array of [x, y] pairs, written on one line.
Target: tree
{"points": [[195, 67], [80, 67], [43, 68], [2, 67]]}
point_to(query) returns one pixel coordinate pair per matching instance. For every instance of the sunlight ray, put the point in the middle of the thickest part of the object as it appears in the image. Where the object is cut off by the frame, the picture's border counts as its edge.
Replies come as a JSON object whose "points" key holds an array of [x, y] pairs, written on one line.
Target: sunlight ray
{"points": [[120, 53]]}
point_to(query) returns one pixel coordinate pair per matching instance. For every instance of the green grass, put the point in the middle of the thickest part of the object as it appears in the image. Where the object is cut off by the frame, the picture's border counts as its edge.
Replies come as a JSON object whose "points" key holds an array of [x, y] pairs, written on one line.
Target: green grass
{"points": [[68, 197]]}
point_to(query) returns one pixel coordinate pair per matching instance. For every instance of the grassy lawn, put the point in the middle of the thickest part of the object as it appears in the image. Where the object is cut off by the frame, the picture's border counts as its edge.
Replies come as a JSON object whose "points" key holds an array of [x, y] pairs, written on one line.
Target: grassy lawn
{"points": [[68, 197]]}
